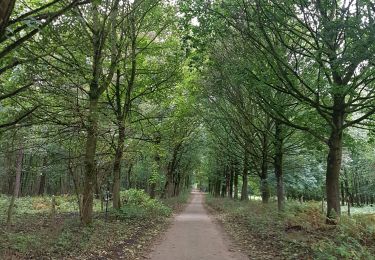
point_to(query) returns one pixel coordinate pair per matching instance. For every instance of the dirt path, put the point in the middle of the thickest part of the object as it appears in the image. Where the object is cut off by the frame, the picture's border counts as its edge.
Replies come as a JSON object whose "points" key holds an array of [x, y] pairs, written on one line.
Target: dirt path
{"points": [[194, 235]]}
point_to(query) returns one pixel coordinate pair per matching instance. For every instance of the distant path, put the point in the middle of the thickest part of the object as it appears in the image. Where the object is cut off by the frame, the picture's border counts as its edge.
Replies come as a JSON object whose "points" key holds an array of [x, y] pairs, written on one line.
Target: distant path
{"points": [[194, 236]]}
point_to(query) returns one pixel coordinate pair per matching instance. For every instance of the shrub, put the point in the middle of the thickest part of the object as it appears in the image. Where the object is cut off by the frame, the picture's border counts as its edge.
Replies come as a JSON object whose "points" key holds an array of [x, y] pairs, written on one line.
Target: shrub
{"points": [[138, 205], [347, 248]]}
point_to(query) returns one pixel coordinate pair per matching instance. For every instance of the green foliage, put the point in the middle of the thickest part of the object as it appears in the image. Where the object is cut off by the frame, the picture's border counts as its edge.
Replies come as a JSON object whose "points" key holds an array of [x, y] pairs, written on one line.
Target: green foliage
{"points": [[299, 231], [40, 205], [138, 205], [347, 248], [21, 242], [177, 201], [354, 239], [34, 235]]}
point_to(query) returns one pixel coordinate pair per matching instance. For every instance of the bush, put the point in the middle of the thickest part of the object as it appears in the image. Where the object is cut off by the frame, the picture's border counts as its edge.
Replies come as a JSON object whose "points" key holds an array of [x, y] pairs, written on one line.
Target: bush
{"points": [[138, 205], [300, 231], [347, 248]]}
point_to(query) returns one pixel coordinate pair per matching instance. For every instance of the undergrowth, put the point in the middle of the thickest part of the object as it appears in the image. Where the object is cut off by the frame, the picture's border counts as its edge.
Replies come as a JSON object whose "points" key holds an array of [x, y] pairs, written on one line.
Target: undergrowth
{"points": [[35, 235], [177, 202], [299, 232], [137, 204]]}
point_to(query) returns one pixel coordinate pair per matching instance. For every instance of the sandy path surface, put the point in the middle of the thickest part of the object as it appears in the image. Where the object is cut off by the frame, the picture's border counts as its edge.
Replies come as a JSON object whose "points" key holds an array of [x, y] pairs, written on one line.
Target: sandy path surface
{"points": [[193, 235]]}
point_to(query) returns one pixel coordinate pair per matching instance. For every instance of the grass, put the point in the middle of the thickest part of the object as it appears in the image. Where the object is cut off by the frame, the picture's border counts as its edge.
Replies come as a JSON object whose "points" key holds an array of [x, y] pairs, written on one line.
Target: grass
{"points": [[298, 233], [176, 203], [126, 233]]}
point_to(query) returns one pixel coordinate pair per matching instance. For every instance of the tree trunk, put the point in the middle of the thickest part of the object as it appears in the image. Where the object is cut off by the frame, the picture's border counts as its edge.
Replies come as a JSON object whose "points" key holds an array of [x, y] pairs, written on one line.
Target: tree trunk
{"points": [[223, 190], [244, 193], [342, 194], [17, 185], [279, 165], [235, 183], [231, 181], [158, 166], [42, 183], [217, 187], [264, 188], [168, 187], [6, 9], [152, 190], [334, 165], [9, 163], [227, 180], [117, 165], [90, 164]]}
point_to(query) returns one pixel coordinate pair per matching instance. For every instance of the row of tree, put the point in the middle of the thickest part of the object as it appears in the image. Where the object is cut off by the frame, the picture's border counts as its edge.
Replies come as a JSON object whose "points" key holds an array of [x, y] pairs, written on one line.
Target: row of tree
{"points": [[93, 98], [245, 97], [280, 77]]}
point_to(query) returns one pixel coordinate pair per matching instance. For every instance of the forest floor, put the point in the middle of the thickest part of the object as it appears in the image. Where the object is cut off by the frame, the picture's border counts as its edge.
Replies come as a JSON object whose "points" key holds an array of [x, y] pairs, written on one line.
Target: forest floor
{"points": [[298, 233], [33, 234], [194, 235]]}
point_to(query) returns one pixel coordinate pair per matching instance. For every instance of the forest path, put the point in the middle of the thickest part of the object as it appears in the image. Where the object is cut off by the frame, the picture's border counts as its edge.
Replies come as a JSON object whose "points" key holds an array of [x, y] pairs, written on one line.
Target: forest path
{"points": [[193, 235]]}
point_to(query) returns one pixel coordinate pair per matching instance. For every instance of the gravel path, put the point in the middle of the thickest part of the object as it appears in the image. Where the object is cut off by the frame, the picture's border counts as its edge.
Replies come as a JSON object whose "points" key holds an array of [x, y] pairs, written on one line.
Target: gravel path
{"points": [[193, 235]]}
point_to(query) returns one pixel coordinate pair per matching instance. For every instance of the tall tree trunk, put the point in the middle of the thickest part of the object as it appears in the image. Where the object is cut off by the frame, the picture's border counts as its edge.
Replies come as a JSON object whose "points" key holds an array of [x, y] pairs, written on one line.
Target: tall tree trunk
{"points": [[90, 164], [169, 184], [235, 183], [223, 190], [6, 9], [279, 165], [342, 194], [123, 115], [117, 165], [227, 180], [168, 187], [264, 187], [42, 183], [8, 187], [129, 175], [217, 187], [231, 181], [244, 192], [17, 185], [334, 163], [158, 166]]}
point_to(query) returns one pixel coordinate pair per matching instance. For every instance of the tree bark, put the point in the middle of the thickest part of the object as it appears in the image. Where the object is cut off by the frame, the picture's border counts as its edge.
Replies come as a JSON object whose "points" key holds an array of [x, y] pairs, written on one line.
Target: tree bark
{"points": [[223, 190], [6, 9], [90, 165], [117, 165], [334, 163], [235, 183], [158, 166], [129, 175], [231, 181], [264, 187], [279, 165], [42, 183], [244, 192], [17, 185], [342, 194], [217, 187], [227, 181]]}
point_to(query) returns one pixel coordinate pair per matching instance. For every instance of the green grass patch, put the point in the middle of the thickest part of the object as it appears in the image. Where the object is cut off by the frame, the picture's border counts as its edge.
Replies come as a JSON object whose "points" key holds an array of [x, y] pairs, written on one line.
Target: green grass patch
{"points": [[177, 202]]}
